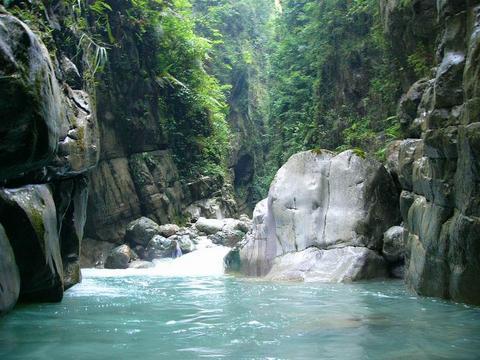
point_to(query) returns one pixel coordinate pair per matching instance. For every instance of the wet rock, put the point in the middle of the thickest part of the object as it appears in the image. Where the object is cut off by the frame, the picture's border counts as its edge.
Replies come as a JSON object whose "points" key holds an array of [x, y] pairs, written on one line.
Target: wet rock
{"points": [[202, 187], [392, 157], [70, 72], [31, 107], [185, 243], [410, 150], [140, 264], [251, 252], [9, 275], [211, 208], [47, 134], [441, 205], [157, 184], [119, 258], [113, 202], [393, 244], [141, 231], [94, 253], [232, 261], [168, 230], [227, 237], [335, 265], [70, 197], [209, 226], [324, 201], [397, 271], [30, 221], [448, 83], [78, 149], [160, 247], [408, 106]]}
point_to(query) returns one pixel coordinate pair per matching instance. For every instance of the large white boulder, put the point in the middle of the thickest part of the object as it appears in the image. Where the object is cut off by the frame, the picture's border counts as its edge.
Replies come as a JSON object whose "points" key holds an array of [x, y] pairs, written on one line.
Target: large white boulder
{"points": [[325, 201]]}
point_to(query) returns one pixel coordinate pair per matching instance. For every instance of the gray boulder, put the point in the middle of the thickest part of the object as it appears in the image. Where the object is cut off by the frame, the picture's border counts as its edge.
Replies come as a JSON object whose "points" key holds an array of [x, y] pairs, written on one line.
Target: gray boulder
{"points": [[217, 207], [141, 264], [325, 201], [209, 226], [159, 247], [119, 258], [9, 275], [141, 231], [227, 237], [168, 230], [213, 226], [393, 244], [243, 224], [345, 264], [184, 242]]}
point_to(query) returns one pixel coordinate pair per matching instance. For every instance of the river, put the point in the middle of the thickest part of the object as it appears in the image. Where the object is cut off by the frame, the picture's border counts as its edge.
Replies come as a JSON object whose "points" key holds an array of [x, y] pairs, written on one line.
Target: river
{"points": [[187, 308]]}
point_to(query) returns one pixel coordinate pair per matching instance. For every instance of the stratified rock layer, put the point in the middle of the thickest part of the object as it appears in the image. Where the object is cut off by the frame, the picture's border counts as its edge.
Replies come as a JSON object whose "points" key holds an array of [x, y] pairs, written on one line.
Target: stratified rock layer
{"points": [[439, 171]]}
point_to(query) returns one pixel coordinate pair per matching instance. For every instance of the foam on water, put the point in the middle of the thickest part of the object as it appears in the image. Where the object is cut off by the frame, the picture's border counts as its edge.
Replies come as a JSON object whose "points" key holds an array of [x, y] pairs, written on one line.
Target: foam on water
{"points": [[206, 261]]}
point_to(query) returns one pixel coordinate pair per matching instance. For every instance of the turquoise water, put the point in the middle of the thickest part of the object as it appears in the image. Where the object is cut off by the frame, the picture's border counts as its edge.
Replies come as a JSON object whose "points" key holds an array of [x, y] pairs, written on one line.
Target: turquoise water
{"points": [[153, 317]]}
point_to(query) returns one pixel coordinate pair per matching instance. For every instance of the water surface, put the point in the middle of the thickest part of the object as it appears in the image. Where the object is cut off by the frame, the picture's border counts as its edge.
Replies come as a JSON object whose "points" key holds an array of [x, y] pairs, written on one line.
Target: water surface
{"points": [[149, 316]]}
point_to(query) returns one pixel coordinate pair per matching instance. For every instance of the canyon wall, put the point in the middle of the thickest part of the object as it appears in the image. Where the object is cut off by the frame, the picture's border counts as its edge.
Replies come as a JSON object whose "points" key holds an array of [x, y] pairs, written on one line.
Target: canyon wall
{"points": [[137, 174], [439, 164], [84, 145], [49, 141]]}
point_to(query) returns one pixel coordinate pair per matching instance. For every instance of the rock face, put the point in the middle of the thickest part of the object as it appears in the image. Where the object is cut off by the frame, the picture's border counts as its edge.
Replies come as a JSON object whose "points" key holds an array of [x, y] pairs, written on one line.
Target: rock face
{"points": [[439, 170], [9, 275], [409, 26], [30, 220], [30, 119], [332, 205], [49, 137], [94, 253], [137, 175], [45, 132]]}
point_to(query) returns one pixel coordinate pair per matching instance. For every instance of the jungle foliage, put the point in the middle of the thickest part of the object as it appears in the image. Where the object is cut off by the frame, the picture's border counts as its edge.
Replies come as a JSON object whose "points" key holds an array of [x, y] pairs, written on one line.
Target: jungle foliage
{"points": [[247, 76]]}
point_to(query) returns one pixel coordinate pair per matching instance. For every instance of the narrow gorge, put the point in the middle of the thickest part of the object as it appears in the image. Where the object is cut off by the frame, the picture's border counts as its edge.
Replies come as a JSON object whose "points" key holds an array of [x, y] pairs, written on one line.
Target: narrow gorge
{"points": [[240, 179]]}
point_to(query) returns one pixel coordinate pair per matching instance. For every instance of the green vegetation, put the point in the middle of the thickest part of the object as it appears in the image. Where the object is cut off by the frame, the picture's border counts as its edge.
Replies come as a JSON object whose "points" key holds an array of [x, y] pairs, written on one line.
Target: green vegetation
{"points": [[333, 83], [193, 100], [228, 78], [239, 32]]}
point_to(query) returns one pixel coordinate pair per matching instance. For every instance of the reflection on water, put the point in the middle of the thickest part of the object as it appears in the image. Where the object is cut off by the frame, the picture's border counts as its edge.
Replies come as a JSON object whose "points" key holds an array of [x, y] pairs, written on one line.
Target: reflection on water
{"points": [[158, 317]]}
